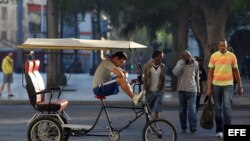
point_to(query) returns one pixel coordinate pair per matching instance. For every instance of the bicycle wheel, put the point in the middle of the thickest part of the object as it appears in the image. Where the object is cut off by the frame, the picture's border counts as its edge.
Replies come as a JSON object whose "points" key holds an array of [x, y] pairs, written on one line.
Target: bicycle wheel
{"points": [[159, 130], [45, 129]]}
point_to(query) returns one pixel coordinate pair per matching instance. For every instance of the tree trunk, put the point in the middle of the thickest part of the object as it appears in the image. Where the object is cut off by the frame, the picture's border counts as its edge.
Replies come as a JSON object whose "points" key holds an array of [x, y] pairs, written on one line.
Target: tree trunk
{"points": [[208, 23], [180, 35], [215, 22], [198, 25], [52, 31]]}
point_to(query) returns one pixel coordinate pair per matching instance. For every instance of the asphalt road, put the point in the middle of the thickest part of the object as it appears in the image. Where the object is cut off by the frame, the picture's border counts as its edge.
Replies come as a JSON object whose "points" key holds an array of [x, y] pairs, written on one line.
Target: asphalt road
{"points": [[14, 119]]}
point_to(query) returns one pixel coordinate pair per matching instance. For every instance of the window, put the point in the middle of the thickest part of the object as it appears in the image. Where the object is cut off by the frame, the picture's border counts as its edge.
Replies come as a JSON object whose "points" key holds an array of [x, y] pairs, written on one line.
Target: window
{"points": [[4, 35], [4, 13]]}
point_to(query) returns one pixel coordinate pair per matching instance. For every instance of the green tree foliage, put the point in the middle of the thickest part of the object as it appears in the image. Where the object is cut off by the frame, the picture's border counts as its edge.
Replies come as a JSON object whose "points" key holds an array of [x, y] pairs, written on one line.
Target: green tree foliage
{"points": [[131, 15], [209, 19]]}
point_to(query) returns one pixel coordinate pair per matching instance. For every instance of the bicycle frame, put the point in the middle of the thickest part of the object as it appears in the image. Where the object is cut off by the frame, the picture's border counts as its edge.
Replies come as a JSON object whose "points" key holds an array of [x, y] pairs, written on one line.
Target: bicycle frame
{"points": [[139, 112]]}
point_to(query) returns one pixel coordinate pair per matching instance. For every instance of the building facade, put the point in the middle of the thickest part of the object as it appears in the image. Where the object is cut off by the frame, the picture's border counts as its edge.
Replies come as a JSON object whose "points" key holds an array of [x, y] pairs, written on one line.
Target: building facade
{"points": [[22, 19], [8, 25]]}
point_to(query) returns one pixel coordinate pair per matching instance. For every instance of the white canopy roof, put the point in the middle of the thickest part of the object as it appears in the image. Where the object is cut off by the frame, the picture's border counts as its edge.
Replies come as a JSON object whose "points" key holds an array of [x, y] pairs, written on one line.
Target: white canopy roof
{"points": [[81, 44]]}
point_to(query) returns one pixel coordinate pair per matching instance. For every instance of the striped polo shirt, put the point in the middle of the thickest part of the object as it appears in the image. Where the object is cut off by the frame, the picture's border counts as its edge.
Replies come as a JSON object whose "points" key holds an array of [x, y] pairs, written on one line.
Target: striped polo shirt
{"points": [[222, 65]]}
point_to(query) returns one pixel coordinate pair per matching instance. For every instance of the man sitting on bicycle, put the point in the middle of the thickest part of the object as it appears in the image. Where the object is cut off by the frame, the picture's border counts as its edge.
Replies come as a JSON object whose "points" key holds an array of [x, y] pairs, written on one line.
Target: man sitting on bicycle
{"points": [[109, 75]]}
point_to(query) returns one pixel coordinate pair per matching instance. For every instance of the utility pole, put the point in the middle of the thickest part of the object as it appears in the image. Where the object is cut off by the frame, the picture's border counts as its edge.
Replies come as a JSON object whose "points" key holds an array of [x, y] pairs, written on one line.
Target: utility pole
{"points": [[96, 34], [19, 35]]}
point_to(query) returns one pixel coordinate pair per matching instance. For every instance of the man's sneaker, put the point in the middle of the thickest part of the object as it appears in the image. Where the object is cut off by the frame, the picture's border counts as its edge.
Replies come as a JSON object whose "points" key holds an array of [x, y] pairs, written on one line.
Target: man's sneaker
{"points": [[138, 97], [219, 135]]}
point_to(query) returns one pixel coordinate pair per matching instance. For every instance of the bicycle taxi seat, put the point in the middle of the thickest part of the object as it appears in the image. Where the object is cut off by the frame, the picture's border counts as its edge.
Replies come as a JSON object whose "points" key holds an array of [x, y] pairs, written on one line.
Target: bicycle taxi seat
{"points": [[100, 97], [41, 98]]}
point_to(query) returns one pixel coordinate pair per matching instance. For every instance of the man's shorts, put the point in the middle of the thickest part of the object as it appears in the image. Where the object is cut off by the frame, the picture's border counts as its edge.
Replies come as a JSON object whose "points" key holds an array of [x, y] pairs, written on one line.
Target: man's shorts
{"points": [[154, 100], [8, 78], [108, 88]]}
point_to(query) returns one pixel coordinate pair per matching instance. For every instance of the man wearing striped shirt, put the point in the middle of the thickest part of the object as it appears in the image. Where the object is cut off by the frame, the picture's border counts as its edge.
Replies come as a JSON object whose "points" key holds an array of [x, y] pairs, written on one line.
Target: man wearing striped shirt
{"points": [[222, 69]]}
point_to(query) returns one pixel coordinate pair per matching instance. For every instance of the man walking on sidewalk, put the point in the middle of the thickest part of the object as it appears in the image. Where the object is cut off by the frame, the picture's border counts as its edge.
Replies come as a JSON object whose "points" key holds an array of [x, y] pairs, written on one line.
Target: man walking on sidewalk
{"points": [[222, 69], [187, 71], [154, 82], [7, 68]]}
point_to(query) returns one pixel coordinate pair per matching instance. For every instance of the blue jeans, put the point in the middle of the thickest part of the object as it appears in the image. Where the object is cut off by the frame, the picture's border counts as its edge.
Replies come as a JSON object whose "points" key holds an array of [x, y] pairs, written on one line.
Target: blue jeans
{"points": [[187, 109], [222, 96]]}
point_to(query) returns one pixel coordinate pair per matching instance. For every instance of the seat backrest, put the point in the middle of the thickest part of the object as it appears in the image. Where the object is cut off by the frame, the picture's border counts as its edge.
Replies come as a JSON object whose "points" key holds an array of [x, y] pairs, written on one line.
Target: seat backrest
{"points": [[32, 84], [38, 74]]}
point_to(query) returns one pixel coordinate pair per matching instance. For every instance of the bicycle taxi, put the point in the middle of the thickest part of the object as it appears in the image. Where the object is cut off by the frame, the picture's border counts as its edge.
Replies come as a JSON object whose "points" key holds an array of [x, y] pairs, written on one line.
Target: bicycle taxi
{"points": [[51, 123]]}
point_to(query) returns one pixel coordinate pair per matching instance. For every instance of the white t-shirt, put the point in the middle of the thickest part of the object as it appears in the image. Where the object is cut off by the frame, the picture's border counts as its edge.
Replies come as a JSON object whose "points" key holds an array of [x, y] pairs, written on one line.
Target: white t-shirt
{"points": [[103, 73]]}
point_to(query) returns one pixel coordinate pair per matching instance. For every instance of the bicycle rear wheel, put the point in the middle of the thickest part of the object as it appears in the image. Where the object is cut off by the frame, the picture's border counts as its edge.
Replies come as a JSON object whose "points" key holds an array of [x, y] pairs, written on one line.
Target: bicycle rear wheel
{"points": [[45, 129], [160, 130]]}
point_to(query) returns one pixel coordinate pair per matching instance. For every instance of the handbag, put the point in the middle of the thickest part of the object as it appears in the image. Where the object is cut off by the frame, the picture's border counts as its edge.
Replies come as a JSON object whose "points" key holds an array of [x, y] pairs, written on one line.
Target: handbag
{"points": [[207, 115]]}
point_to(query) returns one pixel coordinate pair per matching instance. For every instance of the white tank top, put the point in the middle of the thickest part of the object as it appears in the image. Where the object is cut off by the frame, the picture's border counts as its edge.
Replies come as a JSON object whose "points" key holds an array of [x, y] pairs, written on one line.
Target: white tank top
{"points": [[155, 74]]}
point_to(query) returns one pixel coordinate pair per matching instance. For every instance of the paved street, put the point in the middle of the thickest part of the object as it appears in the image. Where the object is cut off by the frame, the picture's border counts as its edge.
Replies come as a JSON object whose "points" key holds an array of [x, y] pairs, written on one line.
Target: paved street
{"points": [[14, 119]]}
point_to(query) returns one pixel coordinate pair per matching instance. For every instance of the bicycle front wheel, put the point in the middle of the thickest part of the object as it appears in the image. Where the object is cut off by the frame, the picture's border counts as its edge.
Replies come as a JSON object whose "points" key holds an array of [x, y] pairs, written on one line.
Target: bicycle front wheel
{"points": [[159, 130]]}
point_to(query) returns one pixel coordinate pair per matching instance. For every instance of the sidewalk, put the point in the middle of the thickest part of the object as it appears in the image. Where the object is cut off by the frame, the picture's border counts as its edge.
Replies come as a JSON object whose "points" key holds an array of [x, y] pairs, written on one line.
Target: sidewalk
{"points": [[79, 91]]}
